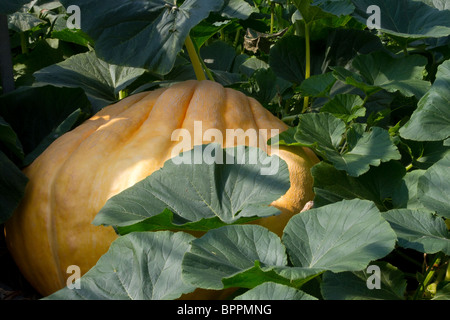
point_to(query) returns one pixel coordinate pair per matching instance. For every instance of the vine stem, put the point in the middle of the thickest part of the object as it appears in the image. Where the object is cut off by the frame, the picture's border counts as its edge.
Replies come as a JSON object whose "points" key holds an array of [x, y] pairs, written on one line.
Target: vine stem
{"points": [[428, 275], [195, 59], [272, 14], [23, 42], [308, 63]]}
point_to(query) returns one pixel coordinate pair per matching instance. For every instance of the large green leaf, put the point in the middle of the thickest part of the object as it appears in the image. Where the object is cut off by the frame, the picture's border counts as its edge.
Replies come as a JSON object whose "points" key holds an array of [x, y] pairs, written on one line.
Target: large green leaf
{"points": [[143, 34], [45, 52], [10, 140], [12, 187], [434, 185], [419, 230], [404, 195], [265, 85], [431, 120], [318, 85], [406, 18], [343, 44], [100, 81], [336, 7], [380, 71], [347, 107], [11, 6], [343, 236], [138, 266], [442, 291], [238, 9], [372, 148], [380, 185], [309, 11], [274, 291], [37, 113], [23, 21], [75, 118], [224, 190], [325, 133], [354, 285], [427, 153], [438, 4], [287, 59], [231, 250]]}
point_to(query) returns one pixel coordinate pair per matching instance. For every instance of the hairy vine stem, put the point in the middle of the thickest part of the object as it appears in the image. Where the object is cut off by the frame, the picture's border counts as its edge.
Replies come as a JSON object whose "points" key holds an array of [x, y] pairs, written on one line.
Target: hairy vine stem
{"points": [[308, 64], [429, 273], [195, 59]]}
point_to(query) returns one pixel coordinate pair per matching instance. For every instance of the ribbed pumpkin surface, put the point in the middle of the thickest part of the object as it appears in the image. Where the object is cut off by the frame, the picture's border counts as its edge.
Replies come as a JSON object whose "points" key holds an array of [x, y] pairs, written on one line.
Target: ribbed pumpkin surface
{"points": [[121, 145]]}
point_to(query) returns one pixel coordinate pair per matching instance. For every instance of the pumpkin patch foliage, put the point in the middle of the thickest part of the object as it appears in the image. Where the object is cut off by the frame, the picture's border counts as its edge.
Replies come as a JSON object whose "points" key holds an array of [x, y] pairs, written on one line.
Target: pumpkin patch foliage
{"points": [[236, 149]]}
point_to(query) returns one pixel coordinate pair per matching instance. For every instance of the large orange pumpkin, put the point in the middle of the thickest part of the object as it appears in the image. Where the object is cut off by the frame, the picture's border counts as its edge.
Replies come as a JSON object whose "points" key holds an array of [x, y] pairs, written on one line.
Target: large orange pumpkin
{"points": [[119, 146]]}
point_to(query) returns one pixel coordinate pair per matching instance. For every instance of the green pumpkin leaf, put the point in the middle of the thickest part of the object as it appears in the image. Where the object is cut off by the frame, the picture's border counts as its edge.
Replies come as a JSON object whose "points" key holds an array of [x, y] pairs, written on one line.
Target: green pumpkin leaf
{"points": [[274, 291], [12, 187], [427, 153], [310, 12], [265, 85], [238, 9], [325, 133], [405, 194], [100, 81], [74, 36], [225, 190], [318, 85], [438, 4], [138, 266], [406, 19], [11, 6], [35, 120], [343, 236], [76, 117], [219, 55], [23, 21], [145, 34], [442, 291], [371, 149], [230, 250], [431, 120], [354, 285], [344, 44], [420, 230], [9, 139], [287, 59], [380, 71], [205, 30], [336, 7], [380, 185], [347, 107], [433, 187], [241, 256]]}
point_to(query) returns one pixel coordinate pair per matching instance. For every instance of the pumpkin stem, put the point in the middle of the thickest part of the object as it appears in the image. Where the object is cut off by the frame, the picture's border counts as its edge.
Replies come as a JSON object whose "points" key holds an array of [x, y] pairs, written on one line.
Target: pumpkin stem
{"points": [[308, 63], [272, 14], [195, 60]]}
